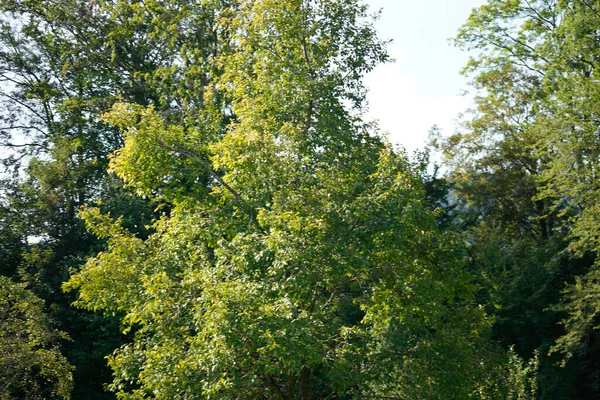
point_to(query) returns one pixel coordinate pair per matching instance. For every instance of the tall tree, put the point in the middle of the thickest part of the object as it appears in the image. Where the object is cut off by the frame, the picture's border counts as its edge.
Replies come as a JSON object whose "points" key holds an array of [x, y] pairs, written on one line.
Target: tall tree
{"points": [[525, 171], [304, 263], [62, 64]]}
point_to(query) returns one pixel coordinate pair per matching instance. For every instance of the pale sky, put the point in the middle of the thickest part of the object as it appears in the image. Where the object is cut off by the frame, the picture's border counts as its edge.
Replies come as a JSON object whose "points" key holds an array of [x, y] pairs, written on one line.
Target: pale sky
{"points": [[422, 88]]}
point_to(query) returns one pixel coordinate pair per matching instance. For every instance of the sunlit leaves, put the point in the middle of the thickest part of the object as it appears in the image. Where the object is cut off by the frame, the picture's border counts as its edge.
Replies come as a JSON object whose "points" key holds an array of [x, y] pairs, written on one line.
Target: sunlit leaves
{"points": [[299, 258]]}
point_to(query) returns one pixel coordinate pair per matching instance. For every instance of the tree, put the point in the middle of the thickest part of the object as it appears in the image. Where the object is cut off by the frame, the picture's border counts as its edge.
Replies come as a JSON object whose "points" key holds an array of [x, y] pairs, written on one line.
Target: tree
{"points": [[31, 365], [303, 261], [62, 64], [524, 169]]}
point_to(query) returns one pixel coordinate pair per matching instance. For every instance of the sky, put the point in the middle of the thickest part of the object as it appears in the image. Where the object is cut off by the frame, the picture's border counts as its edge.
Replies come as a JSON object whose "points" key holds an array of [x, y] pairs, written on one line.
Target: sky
{"points": [[423, 86]]}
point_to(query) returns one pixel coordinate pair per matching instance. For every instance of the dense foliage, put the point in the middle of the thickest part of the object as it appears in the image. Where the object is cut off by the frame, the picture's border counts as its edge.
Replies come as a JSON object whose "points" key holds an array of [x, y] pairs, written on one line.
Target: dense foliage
{"points": [[524, 169], [193, 207], [308, 264], [31, 366]]}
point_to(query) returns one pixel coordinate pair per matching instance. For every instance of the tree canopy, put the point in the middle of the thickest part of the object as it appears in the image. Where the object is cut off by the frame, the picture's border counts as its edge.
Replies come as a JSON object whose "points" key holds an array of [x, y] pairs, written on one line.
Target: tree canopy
{"points": [[305, 263], [31, 365], [524, 170], [194, 206]]}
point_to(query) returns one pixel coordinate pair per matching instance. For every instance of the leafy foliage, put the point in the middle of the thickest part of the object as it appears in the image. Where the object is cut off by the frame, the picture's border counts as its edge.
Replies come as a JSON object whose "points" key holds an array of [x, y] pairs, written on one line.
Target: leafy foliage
{"points": [[253, 237], [524, 171], [305, 262], [62, 64], [31, 365]]}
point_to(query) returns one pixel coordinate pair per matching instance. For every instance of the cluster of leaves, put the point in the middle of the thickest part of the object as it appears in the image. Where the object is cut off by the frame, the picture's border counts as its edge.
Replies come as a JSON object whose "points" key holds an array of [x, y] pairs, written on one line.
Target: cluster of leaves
{"points": [[31, 365]]}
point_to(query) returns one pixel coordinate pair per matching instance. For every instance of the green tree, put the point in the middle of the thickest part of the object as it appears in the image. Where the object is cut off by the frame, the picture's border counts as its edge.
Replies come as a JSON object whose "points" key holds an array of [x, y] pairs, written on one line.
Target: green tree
{"points": [[31, 365], [62, 64], [304, 261], [524, 172]]}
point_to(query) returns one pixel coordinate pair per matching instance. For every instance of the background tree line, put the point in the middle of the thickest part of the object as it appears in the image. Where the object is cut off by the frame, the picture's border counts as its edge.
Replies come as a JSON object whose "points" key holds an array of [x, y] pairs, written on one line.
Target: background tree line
{"points": [[198, 178]]}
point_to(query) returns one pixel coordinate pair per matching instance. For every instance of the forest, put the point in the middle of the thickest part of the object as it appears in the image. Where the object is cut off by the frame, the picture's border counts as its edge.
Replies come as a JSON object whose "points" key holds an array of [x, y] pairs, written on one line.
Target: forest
{"points": [[193, 205]]}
